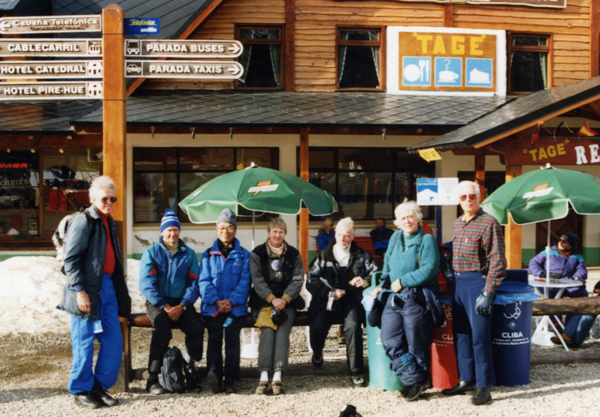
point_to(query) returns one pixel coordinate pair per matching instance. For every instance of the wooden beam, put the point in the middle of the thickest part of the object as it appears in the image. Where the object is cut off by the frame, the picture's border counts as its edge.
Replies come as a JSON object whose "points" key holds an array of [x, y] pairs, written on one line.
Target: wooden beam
{"points": [[448, 15], [585, 306], [197, 23], [290, 46], [114, 115], [304, 212], [594, 38], [480, 175], [51, 141], [513, 234]]}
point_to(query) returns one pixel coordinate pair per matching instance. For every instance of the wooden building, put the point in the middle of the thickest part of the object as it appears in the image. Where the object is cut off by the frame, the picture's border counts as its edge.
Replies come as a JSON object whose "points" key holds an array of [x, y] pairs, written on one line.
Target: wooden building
{"points": [[335, 90]]}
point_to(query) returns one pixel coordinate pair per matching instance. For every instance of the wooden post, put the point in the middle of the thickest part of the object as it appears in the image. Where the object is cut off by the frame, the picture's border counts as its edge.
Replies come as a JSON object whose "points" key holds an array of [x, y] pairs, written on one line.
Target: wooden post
{"points": [[114, 111], [594, 38], [304, 212], [480, 175], [122, 384], [448, 15], [290, 45], [513, 233]]}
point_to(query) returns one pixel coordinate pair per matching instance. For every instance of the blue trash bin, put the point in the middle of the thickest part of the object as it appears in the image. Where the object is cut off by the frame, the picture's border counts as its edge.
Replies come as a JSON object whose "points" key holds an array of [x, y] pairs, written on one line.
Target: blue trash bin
{"points": [[511, 333]]}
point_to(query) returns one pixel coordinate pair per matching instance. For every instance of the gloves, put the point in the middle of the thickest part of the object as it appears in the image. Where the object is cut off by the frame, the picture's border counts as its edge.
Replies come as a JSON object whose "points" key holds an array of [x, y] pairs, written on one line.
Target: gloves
{"points": [[483, 305]]}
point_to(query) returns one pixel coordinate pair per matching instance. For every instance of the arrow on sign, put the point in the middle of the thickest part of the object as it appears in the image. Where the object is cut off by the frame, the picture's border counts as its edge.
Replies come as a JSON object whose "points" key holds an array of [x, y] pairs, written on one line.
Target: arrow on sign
{"points": [[4, 25], [234, 70], [234, 49]]}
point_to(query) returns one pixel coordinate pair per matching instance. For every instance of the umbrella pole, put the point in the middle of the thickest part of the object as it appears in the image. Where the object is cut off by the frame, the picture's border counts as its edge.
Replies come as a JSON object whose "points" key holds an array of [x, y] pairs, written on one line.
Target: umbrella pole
{"points": [[546, 290], [253, 230]]}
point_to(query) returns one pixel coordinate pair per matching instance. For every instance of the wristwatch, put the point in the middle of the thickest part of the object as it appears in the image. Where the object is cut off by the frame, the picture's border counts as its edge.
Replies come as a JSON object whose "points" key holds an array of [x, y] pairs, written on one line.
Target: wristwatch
{"points": [[183, 306]]}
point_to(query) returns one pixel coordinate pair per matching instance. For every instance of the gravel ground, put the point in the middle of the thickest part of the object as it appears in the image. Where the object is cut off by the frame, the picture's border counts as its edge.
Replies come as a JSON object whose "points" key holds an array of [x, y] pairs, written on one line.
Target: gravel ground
{"points": [[34, 371]]}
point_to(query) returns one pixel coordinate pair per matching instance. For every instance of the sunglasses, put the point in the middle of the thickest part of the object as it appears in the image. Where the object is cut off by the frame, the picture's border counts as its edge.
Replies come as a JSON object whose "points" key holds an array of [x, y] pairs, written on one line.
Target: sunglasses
{"points": [[564, 241], [107, 199], [464, 197]]}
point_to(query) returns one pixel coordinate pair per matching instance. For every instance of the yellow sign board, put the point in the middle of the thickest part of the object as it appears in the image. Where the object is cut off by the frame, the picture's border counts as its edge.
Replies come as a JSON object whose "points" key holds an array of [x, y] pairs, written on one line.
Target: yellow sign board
{"points": [[430, 154]]}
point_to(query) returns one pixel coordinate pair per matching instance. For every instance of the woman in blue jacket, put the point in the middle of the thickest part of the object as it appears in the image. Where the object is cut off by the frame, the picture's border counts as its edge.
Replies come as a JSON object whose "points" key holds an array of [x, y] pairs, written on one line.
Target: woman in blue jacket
{"points": [[169, 281], [224, 289], [411, 263]]}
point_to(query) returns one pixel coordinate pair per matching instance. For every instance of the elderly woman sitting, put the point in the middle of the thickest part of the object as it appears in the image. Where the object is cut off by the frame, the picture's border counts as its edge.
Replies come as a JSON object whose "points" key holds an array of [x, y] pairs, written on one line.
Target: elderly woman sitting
{"points": [[410, 264], [277, 276]]}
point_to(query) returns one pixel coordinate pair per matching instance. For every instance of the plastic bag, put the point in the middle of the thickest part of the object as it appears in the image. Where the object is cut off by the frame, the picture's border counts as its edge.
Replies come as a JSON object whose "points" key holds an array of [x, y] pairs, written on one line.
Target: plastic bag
{"points": [[264, 319]]}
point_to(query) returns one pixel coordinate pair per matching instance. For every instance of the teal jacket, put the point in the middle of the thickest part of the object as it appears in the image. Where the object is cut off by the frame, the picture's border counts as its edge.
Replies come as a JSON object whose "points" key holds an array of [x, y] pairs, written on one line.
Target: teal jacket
{"points": [[401, 259]]}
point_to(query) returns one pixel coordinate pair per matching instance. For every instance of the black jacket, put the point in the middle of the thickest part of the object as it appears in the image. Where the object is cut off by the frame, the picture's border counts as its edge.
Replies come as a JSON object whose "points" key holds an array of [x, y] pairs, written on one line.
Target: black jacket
{"points": [[325, 266]]}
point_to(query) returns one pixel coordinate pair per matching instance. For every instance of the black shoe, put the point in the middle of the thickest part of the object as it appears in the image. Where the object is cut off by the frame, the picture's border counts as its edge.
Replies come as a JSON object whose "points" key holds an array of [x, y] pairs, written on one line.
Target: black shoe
{"points": [[89, 400], [317, 360], [156, 389], [416, 390], [358, 379], [404, 391], [482, 396], [104, 397], [230, 386], [214, 382], [461, 389]]}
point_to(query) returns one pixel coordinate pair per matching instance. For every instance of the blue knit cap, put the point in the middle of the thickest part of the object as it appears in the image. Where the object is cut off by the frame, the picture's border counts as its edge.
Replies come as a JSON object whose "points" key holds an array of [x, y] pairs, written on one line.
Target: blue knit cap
{"points": [[571, 238], [169, 219]]}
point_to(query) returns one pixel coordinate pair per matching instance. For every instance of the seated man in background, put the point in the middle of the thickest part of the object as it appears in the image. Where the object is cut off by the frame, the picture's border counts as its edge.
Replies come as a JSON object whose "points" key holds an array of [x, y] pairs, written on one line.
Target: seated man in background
{"points": [[169, 281], [566, 262], [381, 237]]}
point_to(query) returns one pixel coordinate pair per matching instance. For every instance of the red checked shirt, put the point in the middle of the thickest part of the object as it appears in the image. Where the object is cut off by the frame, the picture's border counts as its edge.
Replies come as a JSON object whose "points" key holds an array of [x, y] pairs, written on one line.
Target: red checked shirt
{"points": [[479, 246]]}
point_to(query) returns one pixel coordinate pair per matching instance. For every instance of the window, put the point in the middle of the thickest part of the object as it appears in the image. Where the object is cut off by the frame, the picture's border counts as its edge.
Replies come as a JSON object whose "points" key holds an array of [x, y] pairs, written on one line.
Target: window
{"points": [[162, 177], [67, 175], [359, 58], [367, 183], [529, 60], [262, 58]]}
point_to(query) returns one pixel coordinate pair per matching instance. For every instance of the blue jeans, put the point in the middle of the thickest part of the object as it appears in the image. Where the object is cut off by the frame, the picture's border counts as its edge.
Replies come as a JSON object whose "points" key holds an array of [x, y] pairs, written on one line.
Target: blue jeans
{"points": [[472, 332], [578, 328], [111, 345]]}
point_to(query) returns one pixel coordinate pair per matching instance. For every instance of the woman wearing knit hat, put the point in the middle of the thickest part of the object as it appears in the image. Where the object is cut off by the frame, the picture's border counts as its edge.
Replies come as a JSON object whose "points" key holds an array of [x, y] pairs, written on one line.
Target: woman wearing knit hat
{"points": [[169, 281]]}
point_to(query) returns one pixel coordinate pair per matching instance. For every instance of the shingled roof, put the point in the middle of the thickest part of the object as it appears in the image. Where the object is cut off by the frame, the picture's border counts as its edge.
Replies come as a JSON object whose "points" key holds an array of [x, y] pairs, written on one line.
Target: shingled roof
{"points": [[175, 15], [300, 109], [518, 114]]}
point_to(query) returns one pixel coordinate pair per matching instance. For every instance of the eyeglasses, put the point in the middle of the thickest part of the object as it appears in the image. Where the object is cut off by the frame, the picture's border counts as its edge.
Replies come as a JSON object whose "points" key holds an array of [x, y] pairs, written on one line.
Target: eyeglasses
{"points": [[107, 199], [464, 197], [223, 229]]}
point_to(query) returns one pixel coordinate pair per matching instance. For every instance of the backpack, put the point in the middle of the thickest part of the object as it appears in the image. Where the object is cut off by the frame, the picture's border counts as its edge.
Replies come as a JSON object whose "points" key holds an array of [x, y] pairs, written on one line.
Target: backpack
{"points": [[177, 375], [59, 236]]}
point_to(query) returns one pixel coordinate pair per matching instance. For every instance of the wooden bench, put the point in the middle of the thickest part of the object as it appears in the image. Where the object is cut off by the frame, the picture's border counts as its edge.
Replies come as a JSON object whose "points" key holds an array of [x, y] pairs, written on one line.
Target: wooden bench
{"points": [[127, 374]]}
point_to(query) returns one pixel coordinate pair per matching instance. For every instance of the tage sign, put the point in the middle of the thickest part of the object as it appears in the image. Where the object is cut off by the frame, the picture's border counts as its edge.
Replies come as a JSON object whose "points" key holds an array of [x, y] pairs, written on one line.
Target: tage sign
{"points": [[50, 69], [183, 48], [51, 24], [51, 47], [228, 70], [51, 91]]}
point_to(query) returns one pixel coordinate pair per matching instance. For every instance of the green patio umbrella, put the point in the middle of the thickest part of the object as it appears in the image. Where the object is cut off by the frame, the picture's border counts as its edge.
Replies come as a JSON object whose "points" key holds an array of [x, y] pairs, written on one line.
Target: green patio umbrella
{"points": [[253, 190], [544, 195]]}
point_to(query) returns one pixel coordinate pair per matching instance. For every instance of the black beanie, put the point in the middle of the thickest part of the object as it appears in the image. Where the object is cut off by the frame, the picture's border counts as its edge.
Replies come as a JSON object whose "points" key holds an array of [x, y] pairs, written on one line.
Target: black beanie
{"points": [[571, 238]]}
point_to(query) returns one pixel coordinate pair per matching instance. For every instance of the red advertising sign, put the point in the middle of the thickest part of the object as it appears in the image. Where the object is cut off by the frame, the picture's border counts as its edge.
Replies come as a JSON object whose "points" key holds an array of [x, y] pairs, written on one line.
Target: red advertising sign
{"points": [[559, 151]]}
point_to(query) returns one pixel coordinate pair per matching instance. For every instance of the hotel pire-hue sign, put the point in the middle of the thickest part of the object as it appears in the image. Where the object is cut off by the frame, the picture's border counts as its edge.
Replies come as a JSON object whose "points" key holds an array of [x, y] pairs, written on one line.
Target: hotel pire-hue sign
{"points": [[446, 61]]}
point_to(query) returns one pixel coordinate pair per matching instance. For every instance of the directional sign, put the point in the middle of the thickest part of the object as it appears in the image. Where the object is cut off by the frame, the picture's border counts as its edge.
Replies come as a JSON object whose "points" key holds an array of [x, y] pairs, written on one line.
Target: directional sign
{"points": [[51, 24], [51, 47], [51, 91], [228, 70], [183, 49], [50, 69]]}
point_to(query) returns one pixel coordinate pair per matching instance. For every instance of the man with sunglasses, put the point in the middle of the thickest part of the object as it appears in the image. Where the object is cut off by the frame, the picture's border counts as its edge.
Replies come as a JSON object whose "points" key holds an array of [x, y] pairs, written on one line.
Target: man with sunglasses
{"points": [[479, 265], [566, 262], [95, 296]]}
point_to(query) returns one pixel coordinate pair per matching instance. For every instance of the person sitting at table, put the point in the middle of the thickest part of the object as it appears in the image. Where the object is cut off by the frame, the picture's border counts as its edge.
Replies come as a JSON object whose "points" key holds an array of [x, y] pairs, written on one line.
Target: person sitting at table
{"points": [[326, 234], [381, 237], [566, 262]]}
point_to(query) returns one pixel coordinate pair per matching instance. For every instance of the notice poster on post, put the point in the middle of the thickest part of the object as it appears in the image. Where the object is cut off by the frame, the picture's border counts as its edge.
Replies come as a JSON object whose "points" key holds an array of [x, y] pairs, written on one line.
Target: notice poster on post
{"points": [[437, 191]]}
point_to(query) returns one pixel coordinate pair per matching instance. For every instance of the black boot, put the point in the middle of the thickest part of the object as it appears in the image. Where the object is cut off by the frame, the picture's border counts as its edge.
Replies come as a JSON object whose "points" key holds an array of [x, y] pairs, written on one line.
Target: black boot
{"points": [[102, 395], [482, 396], [461, 389], [89, 400], [153, 386]]}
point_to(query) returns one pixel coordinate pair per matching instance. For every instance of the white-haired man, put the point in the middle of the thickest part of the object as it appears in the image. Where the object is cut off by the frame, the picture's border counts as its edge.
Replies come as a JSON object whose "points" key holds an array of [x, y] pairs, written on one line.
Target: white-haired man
{"points": [[95, 296], [336, 280], [480, 266]]}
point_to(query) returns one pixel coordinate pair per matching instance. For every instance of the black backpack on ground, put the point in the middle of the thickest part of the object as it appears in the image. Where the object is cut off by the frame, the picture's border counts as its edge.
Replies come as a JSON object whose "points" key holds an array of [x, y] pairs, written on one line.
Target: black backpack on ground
{"points": [[176, 374]]}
